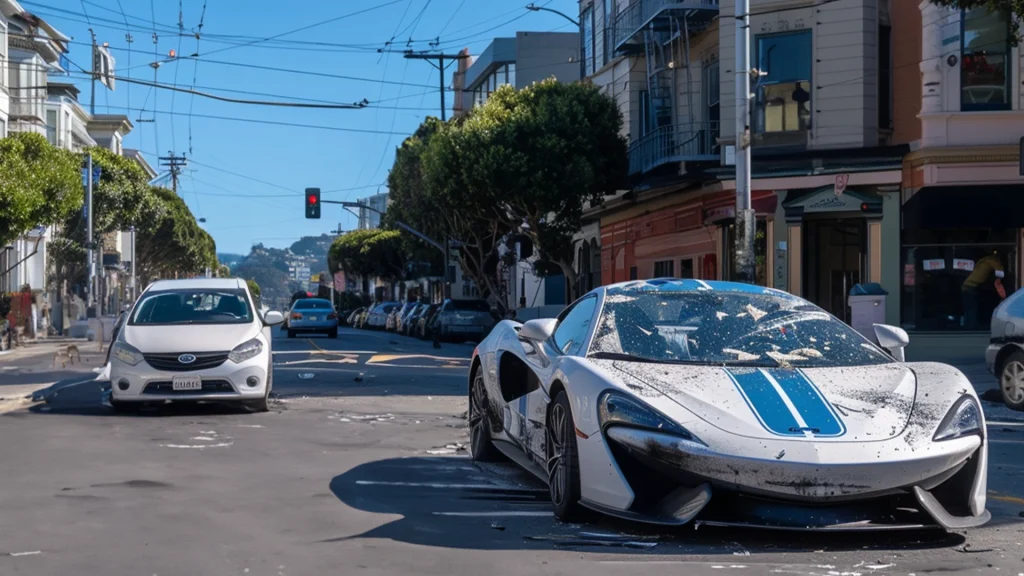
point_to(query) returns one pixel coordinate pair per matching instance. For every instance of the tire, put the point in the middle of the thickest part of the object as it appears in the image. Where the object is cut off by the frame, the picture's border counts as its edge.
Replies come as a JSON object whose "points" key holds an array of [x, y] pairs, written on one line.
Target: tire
{"points": [[1011, 381], [481, 448], [563, 461], [121, 407], [263, 404], [333, 333]]}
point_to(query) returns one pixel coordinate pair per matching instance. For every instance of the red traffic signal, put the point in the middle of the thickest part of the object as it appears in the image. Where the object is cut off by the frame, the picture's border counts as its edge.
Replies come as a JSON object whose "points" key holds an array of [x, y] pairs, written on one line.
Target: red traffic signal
{"points": [[312, 203]]}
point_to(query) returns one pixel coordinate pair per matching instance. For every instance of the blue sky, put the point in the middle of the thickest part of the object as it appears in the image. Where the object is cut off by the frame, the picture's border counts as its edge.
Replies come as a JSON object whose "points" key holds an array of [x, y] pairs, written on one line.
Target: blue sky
{"points": [[263, 201]]}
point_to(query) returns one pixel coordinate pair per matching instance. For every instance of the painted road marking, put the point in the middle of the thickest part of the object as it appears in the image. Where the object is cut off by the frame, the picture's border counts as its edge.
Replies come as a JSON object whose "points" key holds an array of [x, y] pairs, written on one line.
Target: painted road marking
{"points": [[325, 352], [443, 486]]}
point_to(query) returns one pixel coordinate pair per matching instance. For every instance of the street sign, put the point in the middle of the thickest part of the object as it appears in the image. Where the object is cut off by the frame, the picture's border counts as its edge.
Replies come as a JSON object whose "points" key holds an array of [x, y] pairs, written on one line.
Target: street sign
{"points": [[841, 181], [96, 171]]}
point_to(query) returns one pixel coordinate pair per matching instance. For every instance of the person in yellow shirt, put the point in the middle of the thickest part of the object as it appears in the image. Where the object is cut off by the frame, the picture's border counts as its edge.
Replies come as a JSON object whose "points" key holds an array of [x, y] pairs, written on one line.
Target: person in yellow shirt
{"points": [[987, 270]]}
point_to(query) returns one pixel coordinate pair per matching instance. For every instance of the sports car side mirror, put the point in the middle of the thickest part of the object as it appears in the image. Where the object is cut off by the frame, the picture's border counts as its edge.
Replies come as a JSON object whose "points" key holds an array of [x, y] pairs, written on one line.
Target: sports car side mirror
{"points": [[893, 339], [538, 330], [273, 318]]}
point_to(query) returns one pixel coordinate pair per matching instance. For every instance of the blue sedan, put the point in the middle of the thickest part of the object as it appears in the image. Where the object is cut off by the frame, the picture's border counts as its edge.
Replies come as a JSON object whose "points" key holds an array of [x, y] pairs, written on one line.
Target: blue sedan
{"points": [[313, 315]]}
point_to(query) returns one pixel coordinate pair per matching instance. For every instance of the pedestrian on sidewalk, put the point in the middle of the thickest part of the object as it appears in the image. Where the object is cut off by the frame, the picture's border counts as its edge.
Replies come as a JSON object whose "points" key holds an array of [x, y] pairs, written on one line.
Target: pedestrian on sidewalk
{"points": [[988, 274]]}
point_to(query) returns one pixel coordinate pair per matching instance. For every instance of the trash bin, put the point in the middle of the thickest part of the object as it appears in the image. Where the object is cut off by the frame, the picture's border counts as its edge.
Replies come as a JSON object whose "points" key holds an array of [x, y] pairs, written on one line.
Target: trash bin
{"points": [[867, 308]]}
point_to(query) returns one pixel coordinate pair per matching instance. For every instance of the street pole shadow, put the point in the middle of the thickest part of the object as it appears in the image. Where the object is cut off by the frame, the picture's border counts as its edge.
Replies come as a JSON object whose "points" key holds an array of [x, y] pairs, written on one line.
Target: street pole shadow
{"points": [[451, 502]]}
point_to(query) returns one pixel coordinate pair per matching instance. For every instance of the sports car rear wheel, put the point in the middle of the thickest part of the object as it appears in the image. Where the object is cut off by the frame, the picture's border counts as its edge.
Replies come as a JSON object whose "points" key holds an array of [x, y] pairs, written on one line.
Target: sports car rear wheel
{"points": [[1011, 381], [481, 447], [563, 461]]}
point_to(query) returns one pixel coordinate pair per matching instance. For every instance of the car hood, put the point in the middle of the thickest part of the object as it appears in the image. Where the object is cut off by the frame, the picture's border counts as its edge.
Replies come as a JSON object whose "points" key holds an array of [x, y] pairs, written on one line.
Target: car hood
{"points": [[189, 337], [848, 404]]}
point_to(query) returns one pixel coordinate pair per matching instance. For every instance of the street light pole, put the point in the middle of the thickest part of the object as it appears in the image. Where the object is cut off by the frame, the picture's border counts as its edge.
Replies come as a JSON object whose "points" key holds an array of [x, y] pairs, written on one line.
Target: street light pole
{"points": [[534, 8], [745, 224]]}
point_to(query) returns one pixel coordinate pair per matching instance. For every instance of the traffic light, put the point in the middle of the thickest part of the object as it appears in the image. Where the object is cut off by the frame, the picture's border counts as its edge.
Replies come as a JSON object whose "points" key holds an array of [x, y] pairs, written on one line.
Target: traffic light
{"points": [[312, 203]]}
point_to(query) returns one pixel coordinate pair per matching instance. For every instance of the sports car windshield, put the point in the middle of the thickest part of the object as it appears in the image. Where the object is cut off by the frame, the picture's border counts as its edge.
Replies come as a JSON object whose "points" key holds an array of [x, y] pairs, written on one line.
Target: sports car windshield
{"points": [[727, 328]]}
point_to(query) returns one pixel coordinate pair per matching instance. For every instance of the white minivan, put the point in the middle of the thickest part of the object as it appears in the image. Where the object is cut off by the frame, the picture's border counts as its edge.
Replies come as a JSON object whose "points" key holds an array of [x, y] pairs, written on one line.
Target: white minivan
{"points": [[193, 340]]}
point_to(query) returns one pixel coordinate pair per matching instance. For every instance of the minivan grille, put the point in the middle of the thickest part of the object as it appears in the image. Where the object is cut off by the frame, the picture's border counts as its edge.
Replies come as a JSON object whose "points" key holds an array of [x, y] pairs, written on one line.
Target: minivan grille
{"points": [[170, 362]]}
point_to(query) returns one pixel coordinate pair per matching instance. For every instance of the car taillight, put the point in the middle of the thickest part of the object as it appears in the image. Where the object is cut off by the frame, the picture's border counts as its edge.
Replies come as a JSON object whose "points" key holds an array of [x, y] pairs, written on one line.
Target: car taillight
{"points": [[296, 316], [332, 315]]}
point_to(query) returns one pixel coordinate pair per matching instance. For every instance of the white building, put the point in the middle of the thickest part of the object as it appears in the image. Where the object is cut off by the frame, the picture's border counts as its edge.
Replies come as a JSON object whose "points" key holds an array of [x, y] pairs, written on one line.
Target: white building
{"points": [[376, 205], [67, 122]]}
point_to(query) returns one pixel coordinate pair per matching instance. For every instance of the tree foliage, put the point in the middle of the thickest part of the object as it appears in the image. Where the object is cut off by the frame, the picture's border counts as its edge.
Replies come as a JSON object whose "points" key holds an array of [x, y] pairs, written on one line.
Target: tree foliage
{"points": [[377, 253], [254, 288], [170, 241], [1015, 7], [39, 184], [541, 154]]}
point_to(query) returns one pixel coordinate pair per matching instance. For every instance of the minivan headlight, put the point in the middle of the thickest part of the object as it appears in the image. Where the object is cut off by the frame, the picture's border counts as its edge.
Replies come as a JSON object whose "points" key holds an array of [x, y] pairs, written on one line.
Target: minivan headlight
{"points": [[963, 419], [245, 351], [126, 353]]}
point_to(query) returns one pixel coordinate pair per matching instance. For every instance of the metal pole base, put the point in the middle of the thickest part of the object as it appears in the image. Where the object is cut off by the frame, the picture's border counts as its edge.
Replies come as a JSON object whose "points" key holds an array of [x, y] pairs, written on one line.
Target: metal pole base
{"points": [[745, 230]]}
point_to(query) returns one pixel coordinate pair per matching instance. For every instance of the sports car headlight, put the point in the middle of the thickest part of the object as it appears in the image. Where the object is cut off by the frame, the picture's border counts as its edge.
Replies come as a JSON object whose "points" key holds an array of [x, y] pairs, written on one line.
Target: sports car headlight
{"points": [[963, 419], [617, 408], [243, 352], [126, 353]]}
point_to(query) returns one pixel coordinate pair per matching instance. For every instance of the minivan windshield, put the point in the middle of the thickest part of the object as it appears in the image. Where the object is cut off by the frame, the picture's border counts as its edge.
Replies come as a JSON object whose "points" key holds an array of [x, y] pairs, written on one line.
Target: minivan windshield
{"points": [[197, 306], [727, 328]]}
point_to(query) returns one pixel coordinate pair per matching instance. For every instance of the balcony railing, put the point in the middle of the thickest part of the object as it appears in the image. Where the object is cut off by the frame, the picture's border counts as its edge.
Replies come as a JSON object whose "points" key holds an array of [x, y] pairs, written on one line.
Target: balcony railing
{"points": [[640, 13], [674, 143]]}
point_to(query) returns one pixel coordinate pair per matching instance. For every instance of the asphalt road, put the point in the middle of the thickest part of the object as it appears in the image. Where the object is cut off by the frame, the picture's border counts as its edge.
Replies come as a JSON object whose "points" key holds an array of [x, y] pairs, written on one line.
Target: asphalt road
{"points": [[358, 469]]}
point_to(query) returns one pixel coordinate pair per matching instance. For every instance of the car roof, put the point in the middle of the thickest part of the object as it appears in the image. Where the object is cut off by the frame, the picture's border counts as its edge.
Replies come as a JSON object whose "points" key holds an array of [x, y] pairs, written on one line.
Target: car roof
{"points": [[197, 283], [325, 300], [677, 285]]}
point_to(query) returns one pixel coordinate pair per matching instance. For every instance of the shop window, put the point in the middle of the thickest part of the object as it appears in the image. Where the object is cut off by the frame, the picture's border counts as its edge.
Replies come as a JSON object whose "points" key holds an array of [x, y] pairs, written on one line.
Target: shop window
{"points": [[686, 268], [664, 269], [784, 92], [985, 62], [729, 270], [632, 273], [950, 278]]}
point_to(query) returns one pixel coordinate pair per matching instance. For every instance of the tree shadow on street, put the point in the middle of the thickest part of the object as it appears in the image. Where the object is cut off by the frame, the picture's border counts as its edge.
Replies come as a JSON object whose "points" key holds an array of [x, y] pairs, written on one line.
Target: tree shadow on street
{"points": [[452, 502]]}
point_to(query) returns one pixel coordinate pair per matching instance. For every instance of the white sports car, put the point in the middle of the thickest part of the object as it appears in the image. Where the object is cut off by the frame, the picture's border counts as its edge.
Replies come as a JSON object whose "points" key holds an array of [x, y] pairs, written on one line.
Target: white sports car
{"points": [[671, 401]]}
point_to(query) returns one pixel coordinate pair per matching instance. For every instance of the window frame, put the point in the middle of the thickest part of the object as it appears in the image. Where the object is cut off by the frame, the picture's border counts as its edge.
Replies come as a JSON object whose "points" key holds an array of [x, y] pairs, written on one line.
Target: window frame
{"points": [[565, 314], [610, 9], [759, 85], [1008, 72], [587, 61]]}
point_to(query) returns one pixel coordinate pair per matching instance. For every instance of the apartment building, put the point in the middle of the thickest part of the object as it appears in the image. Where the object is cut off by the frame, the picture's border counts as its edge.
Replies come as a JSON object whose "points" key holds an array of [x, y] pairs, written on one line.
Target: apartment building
{"points": [[376, 206], [961, 105]]}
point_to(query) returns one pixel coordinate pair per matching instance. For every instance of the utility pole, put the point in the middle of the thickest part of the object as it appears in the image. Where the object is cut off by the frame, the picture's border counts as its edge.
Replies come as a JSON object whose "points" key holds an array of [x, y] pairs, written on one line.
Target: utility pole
{"points": [[441, 67], [92, 97], [745, 223], [133, 288], [174, 164], [88, 233]]}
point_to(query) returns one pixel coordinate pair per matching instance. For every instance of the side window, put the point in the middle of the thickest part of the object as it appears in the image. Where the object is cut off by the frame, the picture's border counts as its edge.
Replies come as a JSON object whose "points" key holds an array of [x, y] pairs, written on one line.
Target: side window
{"points": [[573, 327]]}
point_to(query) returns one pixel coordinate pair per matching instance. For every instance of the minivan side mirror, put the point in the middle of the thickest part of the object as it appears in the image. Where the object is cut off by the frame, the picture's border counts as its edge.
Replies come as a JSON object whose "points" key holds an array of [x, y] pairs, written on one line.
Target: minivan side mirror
{"points": [[273, 318], [538, 330], [892, 338]]}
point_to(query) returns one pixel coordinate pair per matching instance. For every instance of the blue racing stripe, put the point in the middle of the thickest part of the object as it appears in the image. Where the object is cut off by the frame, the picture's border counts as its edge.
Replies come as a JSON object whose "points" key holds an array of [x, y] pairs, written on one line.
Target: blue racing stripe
{"points": [[765, 402], [816, 412]]}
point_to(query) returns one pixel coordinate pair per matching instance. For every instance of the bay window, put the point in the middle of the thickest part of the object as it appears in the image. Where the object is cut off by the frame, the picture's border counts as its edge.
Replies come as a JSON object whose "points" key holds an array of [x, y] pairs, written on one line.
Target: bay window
{"points": [[985, 60], [587, 37], [783, 92]]}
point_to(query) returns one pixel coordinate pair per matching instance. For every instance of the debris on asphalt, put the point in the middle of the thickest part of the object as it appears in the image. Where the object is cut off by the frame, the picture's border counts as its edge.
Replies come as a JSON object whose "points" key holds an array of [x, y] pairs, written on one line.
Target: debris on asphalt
{"points": [[448, 449], [965, 548], [359, 378], [464, 415], [32, 553], [496, 526]]}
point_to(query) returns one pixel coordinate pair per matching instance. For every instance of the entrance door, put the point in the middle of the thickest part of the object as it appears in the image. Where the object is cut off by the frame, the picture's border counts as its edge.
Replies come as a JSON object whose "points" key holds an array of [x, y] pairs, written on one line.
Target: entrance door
{"points": [[836, 253]]}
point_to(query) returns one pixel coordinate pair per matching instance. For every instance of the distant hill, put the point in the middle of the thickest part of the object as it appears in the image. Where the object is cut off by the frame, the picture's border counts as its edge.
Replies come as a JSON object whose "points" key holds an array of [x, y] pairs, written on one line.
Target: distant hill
{"points": [[268, 267]]}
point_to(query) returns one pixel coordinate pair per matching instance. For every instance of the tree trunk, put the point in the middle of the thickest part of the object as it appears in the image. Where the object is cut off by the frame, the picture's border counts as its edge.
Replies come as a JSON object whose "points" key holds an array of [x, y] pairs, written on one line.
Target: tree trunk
{"points": [[570, 278]]}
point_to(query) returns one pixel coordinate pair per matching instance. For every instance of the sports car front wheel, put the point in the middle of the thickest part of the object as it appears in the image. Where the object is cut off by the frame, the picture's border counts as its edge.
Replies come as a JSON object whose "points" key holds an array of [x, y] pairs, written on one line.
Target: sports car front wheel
{"points": [[563, 461], [481, 447]]}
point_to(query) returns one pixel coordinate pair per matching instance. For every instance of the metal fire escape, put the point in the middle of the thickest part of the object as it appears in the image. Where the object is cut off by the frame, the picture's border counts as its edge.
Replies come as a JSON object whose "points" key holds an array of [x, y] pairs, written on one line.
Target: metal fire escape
{"points": [[659, 30]]}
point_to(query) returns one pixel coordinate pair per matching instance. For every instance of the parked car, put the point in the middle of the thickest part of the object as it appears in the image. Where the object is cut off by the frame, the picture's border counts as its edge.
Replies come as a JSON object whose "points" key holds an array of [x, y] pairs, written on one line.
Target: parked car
{"points": [[464, 320], [378, 317], [193, 340], [422, 329], [409, 322], [1005, 353], [351, 318], [312, 315], [403, 320], [672, 401], [360, 321], [393, 320]]}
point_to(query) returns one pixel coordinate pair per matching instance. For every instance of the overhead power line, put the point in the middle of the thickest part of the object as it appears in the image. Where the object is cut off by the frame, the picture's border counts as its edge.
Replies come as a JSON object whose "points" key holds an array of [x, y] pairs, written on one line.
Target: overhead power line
{"points": [[174, 88]]}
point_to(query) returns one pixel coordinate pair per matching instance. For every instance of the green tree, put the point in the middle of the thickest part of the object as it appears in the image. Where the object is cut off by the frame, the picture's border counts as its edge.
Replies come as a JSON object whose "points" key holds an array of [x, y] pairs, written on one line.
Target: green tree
{"points": [[542, 154], [1015, 7], [223, 271], [369, 254], [254, 288], [170, 243], [39, 185]]}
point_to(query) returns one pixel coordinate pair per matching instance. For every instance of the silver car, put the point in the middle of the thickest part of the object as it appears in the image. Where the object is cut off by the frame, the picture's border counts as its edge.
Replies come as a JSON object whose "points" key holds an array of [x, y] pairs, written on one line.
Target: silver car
{"points": [[1005, 352], [313, 315]]}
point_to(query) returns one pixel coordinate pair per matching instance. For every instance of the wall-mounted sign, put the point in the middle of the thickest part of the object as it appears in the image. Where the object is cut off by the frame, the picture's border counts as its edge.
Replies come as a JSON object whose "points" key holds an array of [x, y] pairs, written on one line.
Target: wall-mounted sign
{"points": [[963, 264], [932, 265], [840, 186]]}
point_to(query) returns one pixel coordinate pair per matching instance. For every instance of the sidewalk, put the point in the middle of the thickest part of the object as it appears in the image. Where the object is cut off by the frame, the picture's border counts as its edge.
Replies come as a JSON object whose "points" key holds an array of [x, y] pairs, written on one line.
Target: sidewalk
{"points": [[31, 368]]}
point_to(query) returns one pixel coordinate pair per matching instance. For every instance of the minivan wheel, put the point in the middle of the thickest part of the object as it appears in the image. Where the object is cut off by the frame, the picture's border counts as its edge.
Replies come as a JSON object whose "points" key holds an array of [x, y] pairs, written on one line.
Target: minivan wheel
{"points": [[1011, 381]]}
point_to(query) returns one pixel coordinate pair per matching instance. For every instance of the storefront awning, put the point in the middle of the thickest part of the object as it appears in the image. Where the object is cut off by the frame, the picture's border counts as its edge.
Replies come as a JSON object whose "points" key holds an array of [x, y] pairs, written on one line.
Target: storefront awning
{"points": [[936, 207]]}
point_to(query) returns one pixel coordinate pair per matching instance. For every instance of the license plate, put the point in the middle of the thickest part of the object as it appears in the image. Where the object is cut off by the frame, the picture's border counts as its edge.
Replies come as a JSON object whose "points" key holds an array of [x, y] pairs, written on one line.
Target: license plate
{"points": [[312, 318], [186, 383]]}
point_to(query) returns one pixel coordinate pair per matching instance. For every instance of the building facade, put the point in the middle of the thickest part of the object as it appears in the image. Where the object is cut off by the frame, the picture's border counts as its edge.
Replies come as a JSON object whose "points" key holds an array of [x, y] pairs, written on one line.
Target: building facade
{"points": [[376, 206]]}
